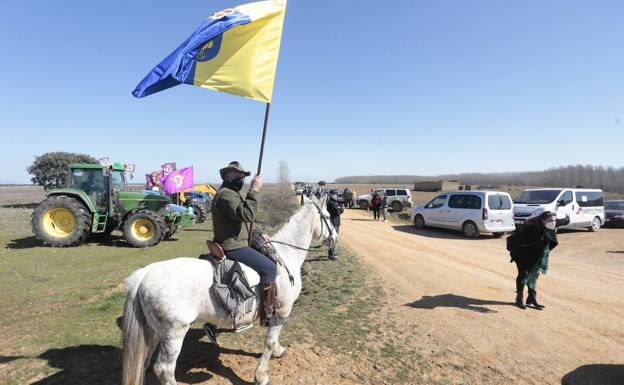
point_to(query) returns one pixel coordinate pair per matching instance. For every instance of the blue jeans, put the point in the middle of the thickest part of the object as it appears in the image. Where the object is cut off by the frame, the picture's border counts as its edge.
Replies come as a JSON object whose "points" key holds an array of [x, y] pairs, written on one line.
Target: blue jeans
{"points": [[266, 268]]}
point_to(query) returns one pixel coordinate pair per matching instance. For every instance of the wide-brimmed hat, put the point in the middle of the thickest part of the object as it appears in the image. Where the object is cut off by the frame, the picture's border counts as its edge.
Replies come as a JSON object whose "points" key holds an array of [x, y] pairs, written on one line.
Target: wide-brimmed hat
{"points": [[233, 166]]}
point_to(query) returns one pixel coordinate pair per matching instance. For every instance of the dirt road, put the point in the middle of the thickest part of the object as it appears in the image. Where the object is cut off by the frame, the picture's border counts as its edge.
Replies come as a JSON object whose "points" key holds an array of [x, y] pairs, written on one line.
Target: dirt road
{"points": [[457, 296]]}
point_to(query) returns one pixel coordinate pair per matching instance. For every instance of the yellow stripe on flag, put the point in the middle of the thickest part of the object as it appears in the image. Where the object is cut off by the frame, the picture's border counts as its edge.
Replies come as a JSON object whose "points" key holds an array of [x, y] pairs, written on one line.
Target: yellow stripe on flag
{"points": [[247, 60]]}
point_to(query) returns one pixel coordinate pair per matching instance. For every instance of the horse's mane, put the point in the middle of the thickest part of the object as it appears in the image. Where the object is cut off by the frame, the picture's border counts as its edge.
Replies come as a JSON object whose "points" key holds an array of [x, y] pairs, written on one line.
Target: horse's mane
{"points": [[286, 232]]}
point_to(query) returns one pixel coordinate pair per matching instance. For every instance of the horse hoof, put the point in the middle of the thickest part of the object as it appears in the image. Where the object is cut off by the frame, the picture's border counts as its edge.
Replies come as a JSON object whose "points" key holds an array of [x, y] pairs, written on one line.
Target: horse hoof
{"points": [[284, 354]]}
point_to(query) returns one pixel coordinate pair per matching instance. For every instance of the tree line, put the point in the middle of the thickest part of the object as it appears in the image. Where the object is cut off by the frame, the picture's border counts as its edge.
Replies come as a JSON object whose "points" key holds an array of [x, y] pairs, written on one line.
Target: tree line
{"points": [[609, 179]]}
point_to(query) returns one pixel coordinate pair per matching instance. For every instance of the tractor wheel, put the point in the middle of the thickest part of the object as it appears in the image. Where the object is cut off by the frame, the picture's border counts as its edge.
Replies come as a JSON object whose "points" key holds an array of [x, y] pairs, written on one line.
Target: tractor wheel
{"points": [[61, 221], [144, 229], [200, 213]]}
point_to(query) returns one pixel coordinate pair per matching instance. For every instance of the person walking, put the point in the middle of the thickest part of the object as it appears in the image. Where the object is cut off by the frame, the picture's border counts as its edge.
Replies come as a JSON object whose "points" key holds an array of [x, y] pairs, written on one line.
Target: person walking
{"points": [[384, 207], [530, 249], [232, 216], [376, 203], [334, 210]]}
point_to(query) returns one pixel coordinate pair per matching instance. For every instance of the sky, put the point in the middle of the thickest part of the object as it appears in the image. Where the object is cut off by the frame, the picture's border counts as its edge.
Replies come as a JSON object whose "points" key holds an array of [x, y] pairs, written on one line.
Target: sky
{"points": [[362, 88]]}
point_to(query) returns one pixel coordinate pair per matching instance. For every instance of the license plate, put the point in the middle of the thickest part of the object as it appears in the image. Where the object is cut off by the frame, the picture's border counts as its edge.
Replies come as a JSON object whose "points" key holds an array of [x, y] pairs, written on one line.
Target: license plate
{"points": [[519, 222]]}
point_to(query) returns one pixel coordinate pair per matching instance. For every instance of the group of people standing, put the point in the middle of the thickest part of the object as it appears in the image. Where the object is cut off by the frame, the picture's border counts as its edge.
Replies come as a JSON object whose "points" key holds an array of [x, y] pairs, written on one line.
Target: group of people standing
{"points": [[379, 204], [350, 198]]}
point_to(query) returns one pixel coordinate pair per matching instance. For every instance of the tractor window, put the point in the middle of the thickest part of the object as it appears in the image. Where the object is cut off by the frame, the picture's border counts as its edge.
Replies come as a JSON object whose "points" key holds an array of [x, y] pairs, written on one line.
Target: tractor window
{"points": [[118, 180], [93, 182]]}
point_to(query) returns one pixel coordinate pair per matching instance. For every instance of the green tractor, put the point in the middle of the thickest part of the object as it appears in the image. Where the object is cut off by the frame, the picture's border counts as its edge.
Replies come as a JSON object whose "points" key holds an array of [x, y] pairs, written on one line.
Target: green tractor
{"points": [[96, 202]]}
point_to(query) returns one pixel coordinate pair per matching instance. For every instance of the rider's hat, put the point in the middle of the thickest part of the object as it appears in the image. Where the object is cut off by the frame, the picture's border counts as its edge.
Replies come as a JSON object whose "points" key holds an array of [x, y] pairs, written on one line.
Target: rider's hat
{"points": [[233, 166]]}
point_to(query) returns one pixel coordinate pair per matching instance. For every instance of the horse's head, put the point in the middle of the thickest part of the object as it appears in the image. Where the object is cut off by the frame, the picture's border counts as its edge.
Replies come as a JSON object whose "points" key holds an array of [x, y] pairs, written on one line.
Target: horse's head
{"points": [[321, 225]]}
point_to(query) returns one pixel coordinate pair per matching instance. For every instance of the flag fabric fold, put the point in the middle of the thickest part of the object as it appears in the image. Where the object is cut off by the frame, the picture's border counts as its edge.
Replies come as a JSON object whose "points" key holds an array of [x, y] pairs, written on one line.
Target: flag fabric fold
{"points": [[233, 51], [178, 180]]}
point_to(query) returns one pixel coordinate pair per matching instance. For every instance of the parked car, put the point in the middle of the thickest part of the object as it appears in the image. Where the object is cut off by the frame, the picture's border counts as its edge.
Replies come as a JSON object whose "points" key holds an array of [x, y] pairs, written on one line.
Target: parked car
{"points": [[299, 187], [614, 213], [471, 212], [398, 199], [584, 207], [339, 193]]}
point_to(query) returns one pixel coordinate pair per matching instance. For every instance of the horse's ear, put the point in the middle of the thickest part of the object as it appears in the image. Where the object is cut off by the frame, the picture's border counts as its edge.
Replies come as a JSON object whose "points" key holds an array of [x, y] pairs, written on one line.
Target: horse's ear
{"points": [[323, 200], [306, 200]]}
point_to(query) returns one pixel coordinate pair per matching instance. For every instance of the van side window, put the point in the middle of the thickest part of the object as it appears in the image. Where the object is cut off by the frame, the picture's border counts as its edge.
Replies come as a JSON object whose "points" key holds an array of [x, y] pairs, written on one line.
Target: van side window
{"points": [[390, 193], [567, 197], [437, 202], [590, 198], [401, 192], [499, 202], [463, 201]]}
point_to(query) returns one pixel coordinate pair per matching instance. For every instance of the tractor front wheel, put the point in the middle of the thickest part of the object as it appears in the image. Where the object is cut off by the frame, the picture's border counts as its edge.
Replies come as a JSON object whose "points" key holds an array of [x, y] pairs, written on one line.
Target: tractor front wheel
{"points": [[200, 213], [61, 221], [144, 229]]}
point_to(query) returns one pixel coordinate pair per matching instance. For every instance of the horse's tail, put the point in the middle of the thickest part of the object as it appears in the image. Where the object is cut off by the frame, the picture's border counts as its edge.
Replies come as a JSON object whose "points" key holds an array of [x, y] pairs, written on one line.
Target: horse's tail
{"points": [[136, 333]]}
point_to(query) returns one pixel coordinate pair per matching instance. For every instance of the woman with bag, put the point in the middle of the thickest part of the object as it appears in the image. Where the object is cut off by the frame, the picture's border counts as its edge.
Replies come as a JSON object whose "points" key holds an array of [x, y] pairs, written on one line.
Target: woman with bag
{"points": [[530, 248]]}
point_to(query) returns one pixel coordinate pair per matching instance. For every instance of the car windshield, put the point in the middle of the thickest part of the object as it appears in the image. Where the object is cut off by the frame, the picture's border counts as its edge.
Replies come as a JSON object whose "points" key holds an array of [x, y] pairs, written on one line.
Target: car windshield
{"points": [[537, 196], [614, 205]]}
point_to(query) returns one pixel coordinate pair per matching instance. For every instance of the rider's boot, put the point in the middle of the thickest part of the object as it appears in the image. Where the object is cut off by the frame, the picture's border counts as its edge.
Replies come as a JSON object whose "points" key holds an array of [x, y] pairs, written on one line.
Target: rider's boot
{"points": [[267, 305]]}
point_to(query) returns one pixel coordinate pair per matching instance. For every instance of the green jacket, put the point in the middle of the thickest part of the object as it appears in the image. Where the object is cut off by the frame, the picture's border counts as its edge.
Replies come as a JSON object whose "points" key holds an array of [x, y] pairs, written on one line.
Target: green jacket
{"points": [[232, 216]]}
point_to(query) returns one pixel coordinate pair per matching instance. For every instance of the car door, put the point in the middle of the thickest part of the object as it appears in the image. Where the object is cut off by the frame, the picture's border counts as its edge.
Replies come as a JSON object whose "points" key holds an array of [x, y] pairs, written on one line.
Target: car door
{"points": [[391, 194], [570, 207], [433, 211]]}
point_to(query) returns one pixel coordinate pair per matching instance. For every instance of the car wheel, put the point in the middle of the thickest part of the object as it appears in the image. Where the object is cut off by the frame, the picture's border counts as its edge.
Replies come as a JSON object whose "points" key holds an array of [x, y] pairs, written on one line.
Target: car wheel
{"points": [[595, 226], [419, 221], [363, 205], [397, 207], [470, 230]]}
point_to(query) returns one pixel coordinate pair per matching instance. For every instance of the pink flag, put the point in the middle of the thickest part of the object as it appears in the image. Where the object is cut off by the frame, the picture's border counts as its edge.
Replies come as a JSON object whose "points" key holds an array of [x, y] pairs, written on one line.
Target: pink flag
{"points": [[168, 167], [178, 180]]}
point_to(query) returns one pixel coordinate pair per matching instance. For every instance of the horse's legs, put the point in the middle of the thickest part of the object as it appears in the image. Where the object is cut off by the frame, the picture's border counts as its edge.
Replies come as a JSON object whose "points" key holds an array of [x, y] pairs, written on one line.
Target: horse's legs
{"points": [[168, 351], [270, 344]]}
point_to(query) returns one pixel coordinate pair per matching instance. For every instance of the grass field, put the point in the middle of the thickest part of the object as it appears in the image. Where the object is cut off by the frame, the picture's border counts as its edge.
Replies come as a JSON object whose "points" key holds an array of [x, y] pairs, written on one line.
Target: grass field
{"points": [[60, 308]]}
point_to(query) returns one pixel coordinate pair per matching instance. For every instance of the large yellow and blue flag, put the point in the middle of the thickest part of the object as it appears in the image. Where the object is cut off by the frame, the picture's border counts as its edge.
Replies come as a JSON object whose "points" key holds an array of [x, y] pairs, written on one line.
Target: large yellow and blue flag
{"points": [[233, 51]]}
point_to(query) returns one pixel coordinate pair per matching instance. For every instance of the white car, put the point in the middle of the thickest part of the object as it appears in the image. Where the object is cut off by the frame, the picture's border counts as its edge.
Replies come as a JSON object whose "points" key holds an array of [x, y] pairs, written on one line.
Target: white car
{"points": [[584, 207], [398, 198], [471, 212]]}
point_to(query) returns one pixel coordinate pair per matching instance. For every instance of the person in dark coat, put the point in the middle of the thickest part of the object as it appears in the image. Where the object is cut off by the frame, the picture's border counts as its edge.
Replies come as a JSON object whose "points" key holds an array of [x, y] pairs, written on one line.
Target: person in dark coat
{"points": [[334, 210], [376, 201], [530, 248], [232, 216]]}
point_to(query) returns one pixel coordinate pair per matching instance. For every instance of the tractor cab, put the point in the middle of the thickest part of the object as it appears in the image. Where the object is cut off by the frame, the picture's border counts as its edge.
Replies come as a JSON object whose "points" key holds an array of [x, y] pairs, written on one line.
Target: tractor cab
{"points": [[100, 183]]}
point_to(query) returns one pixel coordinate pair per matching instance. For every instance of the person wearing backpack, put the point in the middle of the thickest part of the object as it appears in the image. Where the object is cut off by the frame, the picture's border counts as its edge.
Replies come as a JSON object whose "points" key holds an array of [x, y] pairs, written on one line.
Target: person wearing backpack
{"points": [[376, 203], [530, 248]]}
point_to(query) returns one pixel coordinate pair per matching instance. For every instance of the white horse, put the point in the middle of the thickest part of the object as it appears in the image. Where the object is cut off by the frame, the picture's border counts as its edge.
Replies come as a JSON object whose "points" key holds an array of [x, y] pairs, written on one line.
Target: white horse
{"points": [[165, 298]]}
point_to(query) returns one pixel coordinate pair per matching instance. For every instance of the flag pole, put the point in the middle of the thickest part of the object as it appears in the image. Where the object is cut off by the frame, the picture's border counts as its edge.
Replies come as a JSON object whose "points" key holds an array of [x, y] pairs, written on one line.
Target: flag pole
{"points": [[264, 131]]}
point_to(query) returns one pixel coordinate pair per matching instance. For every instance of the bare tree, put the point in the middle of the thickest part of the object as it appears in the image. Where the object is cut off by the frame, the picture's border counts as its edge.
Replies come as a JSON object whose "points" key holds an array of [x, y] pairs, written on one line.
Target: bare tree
{"points": [[284, 177]]}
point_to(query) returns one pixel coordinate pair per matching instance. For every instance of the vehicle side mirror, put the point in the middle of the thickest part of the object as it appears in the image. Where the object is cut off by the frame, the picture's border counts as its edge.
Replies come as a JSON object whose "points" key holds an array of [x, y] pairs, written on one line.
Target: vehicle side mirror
{"points": [[561, 203]]}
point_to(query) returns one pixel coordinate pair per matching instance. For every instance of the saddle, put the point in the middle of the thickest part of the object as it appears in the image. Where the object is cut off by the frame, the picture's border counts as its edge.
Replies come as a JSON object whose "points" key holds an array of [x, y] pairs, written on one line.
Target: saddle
{"points": [[250, 275]]}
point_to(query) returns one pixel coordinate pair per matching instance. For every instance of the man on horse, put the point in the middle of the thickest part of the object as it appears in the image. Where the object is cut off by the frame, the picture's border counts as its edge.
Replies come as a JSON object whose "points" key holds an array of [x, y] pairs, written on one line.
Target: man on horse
{"points": [[232, 216]]}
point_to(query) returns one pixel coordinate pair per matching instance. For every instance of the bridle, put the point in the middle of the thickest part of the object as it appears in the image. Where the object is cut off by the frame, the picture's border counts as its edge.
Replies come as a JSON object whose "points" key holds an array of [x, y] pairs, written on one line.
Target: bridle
{"points": [[323, 221]]}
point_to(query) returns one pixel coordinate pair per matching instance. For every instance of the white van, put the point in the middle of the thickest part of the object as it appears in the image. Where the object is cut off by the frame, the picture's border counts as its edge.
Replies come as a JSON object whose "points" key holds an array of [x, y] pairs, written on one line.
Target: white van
{"points": [[471, 212], [585, 207]]}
